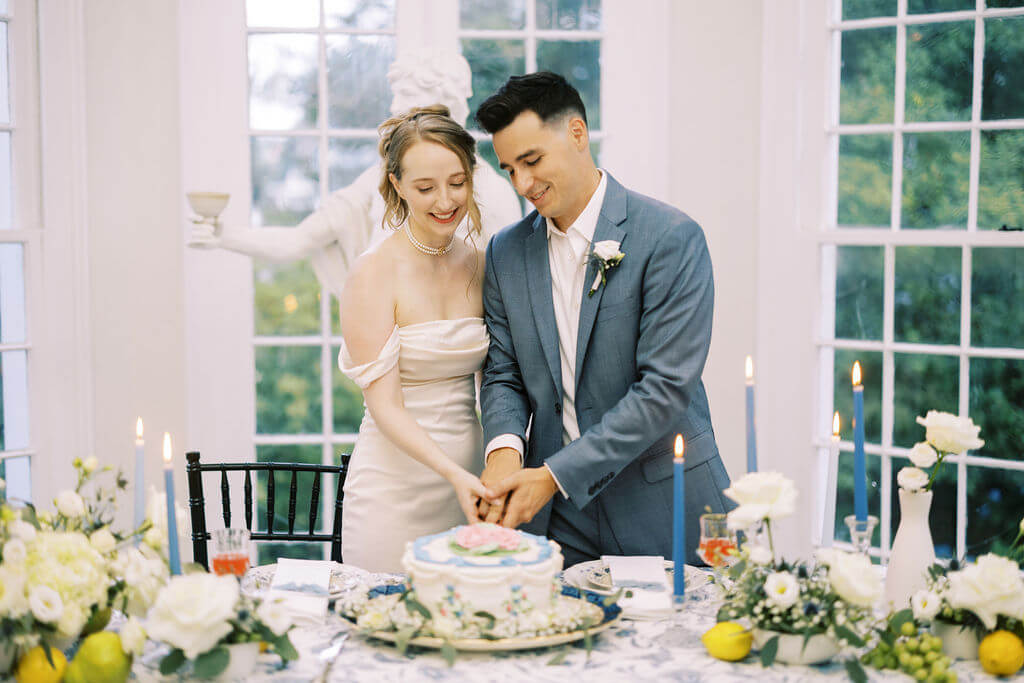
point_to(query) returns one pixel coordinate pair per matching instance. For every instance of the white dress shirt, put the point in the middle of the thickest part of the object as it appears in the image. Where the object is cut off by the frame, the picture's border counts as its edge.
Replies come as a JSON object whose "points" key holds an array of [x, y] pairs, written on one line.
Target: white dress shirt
{"points": [[567, 258]]}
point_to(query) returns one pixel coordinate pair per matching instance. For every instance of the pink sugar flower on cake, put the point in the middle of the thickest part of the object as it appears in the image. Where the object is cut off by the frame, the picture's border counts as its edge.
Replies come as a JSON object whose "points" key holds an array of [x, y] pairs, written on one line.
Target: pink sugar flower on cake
{"points": [[481, 535]]}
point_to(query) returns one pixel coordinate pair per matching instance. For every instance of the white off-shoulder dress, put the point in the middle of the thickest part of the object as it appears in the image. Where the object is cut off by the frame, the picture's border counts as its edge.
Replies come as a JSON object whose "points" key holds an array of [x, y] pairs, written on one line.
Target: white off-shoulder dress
{"points": [[390, 498]]}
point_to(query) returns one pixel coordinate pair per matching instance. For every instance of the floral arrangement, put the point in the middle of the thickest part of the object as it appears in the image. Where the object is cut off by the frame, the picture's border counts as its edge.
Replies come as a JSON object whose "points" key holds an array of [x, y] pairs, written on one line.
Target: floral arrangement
{"points": [[945, 434], [198, 615], [396, 609], [63, 571]]}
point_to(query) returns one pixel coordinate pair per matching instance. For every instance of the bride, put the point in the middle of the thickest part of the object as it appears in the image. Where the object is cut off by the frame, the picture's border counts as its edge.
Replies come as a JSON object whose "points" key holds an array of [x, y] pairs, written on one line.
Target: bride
{"points": [[414, 335]]}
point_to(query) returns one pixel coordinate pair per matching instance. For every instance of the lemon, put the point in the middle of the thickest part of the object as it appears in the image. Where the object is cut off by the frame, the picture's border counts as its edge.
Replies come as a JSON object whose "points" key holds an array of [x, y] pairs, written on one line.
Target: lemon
{"points": [[33, 667], [728, 640], [1001, 653], [100, 659]]}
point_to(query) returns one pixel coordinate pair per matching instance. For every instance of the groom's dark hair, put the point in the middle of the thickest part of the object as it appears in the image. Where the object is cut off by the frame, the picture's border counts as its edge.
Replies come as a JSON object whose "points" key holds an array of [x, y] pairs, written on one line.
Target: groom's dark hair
{"points": [[546, 94]]}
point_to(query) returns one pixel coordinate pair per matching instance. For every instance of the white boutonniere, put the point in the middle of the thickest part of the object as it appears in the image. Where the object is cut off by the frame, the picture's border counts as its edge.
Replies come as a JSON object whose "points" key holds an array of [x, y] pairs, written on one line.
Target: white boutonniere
{"points": [[605, 255]]}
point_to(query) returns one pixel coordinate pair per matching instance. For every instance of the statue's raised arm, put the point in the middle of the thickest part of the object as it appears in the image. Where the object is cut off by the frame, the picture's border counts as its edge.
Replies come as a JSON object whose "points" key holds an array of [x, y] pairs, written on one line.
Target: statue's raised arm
{"points": [[350, 220]]}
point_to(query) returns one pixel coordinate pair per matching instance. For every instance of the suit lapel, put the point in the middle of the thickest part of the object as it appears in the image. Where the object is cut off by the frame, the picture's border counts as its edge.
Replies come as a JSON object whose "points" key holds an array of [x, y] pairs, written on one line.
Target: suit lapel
{"points": [[538, 283], [610, 226]]}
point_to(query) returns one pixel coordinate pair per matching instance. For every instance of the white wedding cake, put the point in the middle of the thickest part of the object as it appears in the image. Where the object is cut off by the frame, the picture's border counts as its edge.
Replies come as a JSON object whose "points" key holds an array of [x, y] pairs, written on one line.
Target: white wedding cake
{"points": [[483, 567]]}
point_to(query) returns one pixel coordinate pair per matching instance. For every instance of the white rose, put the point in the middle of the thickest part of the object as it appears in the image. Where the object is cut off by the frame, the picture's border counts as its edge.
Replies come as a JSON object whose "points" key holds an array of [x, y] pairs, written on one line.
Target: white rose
{"points": [[45, 604], [926, 604], [746, 516], [13, 602], [72, 620], [912, 479], [373, 620], [103, 540], [854, 578], [194, 612], [15, 551], [90, 464], [133, 637], [444, 627], [769, 489], [923, 455], [950, 433], [782, 589], [607, 250], [70, 504], [274, 616], [758, 554], [22, 529], [988, 588]]}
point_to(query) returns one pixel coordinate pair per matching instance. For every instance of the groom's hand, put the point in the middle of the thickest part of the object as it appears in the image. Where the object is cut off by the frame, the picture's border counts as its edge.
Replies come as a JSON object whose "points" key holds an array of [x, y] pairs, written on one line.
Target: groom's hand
{"points": [[502, 463], [528, 491]]}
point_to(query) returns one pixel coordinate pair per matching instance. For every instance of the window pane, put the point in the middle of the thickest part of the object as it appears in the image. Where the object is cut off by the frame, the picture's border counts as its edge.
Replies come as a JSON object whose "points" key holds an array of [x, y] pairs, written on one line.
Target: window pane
{"points": [[492, 14], [997, 405], [859, 281], [13, 401], [492, 62], [844, 494], [935, 180], [867, 78], [286, 298], [862, 9], [288, 390], [360, 14], [927, 6], [927, 296], [269, 552], [871, 378], [568, 15], [285, 179], [942, 519], [921, 383], [939, 71], [291, 14], [1004, 3], [1002, 89], [5, 80], [997, 290], [282, 81], [358, 95], [347, 159], [348, 401], [485, 148], [1001, 180], [995, 499], [12, 294], [580, 63], [865, 180], [17, 474], [5, 181]]}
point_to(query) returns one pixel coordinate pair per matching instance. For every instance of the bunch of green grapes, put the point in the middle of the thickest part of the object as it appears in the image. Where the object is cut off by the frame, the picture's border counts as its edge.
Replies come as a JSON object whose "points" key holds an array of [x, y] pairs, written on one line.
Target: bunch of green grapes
{"points": [[916, 654]]}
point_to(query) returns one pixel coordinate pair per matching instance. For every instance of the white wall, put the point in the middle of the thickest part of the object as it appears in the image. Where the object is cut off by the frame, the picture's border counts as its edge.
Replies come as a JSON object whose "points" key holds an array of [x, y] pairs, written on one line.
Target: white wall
{"points": [[136, 289], [714, 137]]}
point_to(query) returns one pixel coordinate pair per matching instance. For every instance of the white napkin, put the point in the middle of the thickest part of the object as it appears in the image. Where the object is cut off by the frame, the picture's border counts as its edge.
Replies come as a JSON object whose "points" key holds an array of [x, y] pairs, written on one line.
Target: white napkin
{"points": [[302, 586], [645, 577]]}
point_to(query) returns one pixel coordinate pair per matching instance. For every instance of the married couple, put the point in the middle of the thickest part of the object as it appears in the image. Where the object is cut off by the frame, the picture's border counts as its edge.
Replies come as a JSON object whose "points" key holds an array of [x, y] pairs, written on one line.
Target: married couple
{"points": [[591, 321]]}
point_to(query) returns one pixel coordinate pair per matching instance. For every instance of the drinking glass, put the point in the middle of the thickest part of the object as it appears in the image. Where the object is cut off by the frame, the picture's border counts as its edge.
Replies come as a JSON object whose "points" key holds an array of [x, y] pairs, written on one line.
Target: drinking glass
{"points": [[230, 551], [717, 542]]}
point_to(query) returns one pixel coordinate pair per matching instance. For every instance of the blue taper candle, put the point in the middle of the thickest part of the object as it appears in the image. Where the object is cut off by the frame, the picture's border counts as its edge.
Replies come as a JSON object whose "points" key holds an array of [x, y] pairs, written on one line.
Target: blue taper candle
{"points": [[140, 475], [172, 521], [679, 521], [860, 477], [751, 434]]}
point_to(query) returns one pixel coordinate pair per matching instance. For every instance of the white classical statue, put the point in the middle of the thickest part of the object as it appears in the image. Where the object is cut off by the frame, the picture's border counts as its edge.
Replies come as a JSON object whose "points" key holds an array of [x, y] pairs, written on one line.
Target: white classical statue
{"points": [[349, 221]]}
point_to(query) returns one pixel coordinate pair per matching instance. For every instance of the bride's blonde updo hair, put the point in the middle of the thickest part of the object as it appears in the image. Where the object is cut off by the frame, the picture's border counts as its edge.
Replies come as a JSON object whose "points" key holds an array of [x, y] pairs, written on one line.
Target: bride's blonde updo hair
{"points": [[399, 133]]}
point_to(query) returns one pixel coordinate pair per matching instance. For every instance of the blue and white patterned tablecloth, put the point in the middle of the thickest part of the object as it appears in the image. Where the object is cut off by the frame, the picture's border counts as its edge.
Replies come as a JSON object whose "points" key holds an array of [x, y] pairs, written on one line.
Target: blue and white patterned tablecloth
{"points": [[668, 650]]}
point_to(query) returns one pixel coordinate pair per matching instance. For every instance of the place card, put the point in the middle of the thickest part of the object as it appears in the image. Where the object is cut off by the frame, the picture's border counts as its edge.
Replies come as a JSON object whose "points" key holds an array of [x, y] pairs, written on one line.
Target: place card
{"points": [[643, 576]]}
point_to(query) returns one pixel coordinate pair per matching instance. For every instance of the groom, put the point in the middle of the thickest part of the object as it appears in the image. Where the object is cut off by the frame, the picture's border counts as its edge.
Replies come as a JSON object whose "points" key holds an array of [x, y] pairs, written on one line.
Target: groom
{"points": [[603, 354]]}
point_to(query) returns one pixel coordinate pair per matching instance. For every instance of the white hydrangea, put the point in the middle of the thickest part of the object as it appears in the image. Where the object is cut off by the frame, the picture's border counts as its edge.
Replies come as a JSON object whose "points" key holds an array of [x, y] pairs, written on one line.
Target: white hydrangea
{"points": [[14, 552], [13, 601], [68, 564]]}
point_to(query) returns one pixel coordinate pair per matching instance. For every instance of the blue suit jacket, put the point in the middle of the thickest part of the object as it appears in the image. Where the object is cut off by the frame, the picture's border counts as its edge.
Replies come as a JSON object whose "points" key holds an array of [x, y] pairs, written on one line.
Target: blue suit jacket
{"points": [[642, 342]]}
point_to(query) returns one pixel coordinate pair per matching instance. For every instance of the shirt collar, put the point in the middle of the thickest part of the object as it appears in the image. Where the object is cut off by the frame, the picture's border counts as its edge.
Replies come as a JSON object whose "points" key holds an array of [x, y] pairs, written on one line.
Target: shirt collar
{"points": [[586, 223]]}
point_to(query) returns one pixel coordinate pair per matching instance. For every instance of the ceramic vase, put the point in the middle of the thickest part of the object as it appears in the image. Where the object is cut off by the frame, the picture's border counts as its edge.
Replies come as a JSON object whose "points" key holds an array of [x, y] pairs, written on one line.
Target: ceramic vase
{"points": [[242, 662], [819, 648], [957, 642], [912, 550]]}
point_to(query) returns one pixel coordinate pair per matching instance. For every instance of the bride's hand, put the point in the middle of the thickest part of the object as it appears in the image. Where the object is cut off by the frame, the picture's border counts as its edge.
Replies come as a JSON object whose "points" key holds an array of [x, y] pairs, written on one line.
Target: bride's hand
{"points": [[469, 490]]}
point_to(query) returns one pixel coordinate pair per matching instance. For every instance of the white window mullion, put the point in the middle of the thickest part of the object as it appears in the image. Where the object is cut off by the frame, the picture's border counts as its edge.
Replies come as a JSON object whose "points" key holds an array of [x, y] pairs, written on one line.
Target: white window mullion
{"points": [[531, 36]]}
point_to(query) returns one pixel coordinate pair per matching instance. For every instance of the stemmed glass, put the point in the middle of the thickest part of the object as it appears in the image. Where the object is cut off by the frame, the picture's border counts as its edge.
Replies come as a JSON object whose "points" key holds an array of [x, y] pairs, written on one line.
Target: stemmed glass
{"points": [[717, 542]]}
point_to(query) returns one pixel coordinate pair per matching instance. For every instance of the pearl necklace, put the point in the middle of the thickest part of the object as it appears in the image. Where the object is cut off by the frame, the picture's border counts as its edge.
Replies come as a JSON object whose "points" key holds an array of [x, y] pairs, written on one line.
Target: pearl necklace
{"points": [[427, 249]]}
